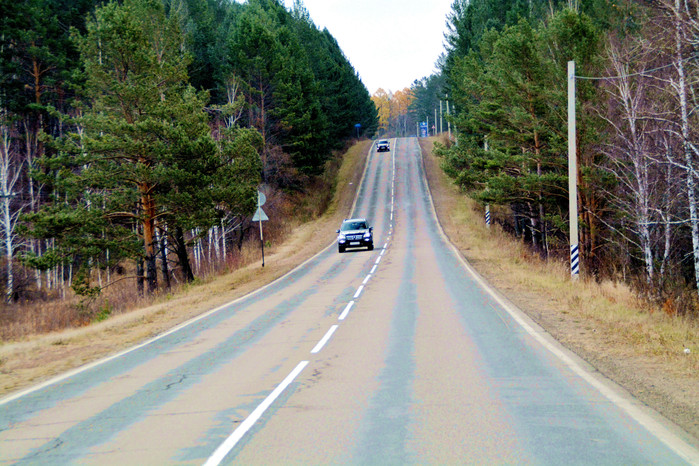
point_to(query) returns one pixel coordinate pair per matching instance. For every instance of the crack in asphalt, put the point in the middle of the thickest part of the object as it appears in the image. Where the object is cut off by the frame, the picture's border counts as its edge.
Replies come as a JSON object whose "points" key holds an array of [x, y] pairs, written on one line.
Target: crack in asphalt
{"points": [[182, 378]]}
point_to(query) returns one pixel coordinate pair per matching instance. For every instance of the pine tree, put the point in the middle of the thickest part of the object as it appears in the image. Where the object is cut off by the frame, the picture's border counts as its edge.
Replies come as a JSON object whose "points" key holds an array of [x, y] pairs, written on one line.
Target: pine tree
{"points": [[143, 156]]}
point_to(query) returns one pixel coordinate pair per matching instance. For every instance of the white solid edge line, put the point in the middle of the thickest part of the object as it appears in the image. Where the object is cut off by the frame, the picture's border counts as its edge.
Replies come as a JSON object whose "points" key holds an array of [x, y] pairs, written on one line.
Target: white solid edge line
{"points": [[99, 362], [346, 311], [175, 329], [671, 440], [242, 429], [183, 325], [359, 291], [324, 340]]}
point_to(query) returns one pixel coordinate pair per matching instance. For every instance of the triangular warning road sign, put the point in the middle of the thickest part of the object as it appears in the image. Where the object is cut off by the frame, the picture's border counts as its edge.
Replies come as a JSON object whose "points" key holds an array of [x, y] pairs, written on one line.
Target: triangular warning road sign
{"points": [[260, 215]]}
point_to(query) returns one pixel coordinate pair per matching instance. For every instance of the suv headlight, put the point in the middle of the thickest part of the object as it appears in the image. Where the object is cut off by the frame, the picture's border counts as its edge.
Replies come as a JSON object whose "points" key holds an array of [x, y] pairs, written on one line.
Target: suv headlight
{"points": [[341, 238], [367, 235]]}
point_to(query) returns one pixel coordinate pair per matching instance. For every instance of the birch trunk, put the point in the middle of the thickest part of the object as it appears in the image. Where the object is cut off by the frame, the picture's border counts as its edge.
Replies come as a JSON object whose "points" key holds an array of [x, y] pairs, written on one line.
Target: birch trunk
{"points": [[197, 250], [9, 175], [223, 240], [30, 154], [687, 151], [217, 246], [164, 269]]}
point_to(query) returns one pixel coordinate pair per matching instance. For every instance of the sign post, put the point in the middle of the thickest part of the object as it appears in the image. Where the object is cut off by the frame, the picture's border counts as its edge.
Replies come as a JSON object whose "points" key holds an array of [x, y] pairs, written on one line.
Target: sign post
{"points": [[260, 216]]}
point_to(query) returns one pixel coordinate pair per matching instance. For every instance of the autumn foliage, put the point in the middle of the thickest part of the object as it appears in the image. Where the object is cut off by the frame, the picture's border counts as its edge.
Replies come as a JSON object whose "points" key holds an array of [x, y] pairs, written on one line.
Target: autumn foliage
{"points": [[394, 109]]}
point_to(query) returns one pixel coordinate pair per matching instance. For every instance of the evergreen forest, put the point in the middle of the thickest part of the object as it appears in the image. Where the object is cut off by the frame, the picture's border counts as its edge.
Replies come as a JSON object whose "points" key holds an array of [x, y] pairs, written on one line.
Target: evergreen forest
{"points": [[504, 73], [135, 134]]}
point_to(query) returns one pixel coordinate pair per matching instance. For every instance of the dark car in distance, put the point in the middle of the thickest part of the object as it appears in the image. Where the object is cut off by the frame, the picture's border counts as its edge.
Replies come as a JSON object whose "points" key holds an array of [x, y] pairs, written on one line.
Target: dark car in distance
{"points": [[382, 145], [355, 233]]}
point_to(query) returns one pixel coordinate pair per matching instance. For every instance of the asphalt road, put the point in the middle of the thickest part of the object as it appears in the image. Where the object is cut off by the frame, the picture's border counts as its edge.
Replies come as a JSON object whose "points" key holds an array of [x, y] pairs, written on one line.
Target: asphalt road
{"points": [[392, 356]]}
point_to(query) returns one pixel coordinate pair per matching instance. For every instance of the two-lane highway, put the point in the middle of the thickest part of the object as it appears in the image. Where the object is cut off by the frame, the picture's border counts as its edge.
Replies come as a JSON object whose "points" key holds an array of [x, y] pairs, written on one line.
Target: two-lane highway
{"points": [[391, 356]]}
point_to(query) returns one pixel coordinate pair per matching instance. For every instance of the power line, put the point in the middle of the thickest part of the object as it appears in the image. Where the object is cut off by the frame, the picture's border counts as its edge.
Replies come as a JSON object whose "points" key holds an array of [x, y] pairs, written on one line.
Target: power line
{"points": [[644, 72]]}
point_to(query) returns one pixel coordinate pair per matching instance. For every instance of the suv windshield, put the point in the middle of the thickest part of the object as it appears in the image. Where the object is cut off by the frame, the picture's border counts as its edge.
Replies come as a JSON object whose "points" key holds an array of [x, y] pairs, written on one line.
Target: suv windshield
{"points": [[348, 226]]}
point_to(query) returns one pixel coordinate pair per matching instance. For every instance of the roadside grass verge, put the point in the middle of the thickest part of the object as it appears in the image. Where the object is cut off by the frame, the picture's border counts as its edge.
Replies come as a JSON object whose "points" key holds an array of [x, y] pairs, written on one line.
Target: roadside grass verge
{"points": [[612, 305], [640, 346]]}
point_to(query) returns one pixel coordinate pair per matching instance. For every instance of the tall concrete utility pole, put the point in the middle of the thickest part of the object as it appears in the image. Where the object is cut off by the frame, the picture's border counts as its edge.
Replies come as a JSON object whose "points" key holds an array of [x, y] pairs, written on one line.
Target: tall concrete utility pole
{"points": [[448, 121], [441, 126], [572, 175]]}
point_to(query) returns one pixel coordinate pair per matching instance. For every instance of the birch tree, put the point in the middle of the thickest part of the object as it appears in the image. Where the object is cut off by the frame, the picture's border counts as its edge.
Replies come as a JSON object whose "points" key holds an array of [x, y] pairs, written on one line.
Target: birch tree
{"points": [[680, 85], [10, 172], [635, 155]]}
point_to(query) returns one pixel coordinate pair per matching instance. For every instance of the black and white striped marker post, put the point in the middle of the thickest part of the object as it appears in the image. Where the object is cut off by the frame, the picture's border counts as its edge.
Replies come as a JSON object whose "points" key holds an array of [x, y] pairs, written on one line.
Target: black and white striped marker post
{"points": [[574, 260]]}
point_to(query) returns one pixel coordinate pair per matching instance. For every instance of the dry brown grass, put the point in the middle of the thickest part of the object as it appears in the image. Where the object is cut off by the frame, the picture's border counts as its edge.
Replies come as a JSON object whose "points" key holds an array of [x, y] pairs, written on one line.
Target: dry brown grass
{"points": [[640, 346], [607, 306]]}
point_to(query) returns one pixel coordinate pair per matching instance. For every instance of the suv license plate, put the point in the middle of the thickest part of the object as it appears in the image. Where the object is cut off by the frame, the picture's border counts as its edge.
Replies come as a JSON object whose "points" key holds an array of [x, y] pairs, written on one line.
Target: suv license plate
{"points": [[355, 243]]}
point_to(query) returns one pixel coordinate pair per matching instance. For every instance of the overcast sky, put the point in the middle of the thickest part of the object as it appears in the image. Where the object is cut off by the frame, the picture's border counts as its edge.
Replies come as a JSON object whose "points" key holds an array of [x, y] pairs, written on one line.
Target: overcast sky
{"points": [[390, 43]]}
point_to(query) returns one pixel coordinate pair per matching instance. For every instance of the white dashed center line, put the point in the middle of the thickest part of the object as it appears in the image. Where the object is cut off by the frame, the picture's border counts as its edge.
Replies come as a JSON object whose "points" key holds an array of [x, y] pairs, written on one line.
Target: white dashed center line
{"points": [[242, 429], [324, 340], [346, 311]]}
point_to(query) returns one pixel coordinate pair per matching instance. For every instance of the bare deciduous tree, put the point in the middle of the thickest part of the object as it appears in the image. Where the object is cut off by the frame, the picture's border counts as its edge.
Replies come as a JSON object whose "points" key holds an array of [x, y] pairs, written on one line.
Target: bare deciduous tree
{"points": [[680, 85], [10, 171]]}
